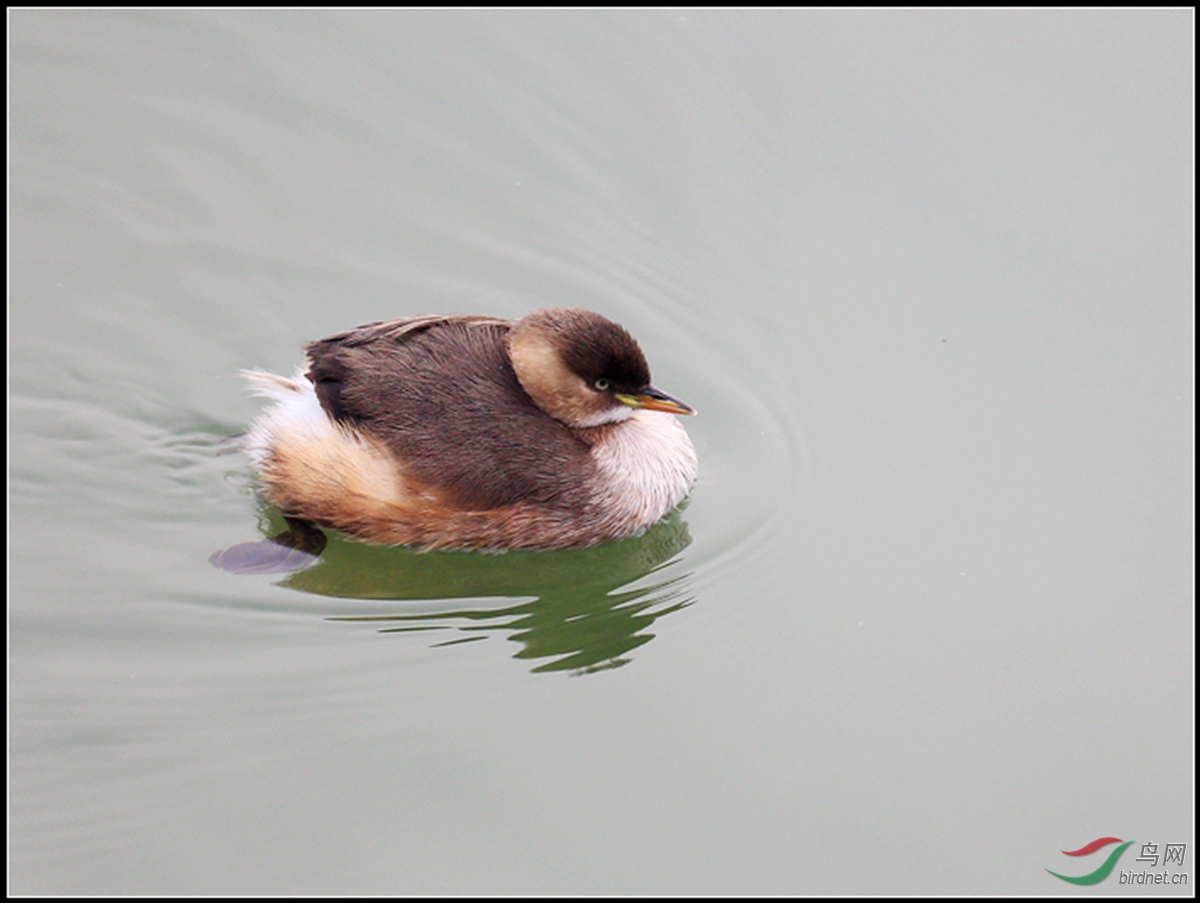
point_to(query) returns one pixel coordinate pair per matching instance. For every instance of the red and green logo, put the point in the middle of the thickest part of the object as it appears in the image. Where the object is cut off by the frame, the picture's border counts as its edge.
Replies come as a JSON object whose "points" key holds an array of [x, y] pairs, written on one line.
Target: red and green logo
{"points": [[1106, 867]]}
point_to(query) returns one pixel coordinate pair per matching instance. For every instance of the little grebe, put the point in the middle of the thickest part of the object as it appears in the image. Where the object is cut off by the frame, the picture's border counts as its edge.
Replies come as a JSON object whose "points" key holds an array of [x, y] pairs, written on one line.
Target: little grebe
{"points": [[474, 432]]}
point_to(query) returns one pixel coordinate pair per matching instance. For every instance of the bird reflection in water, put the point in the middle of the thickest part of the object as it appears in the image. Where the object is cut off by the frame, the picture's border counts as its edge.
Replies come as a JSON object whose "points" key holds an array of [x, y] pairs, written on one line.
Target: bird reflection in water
{"points": [[574, 610]]}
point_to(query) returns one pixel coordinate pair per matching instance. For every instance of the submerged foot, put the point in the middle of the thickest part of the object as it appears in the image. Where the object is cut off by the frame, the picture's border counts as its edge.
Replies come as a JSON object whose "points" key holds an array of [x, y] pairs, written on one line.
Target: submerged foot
{"points": [[292, 550]]}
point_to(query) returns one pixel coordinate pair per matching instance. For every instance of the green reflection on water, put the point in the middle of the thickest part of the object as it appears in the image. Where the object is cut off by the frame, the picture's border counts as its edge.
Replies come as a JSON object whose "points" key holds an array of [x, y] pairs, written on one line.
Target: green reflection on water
{"points": [[570, 607]]}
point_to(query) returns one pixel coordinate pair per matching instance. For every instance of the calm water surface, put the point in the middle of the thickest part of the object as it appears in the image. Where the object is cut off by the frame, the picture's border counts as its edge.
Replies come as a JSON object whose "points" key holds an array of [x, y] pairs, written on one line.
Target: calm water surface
{"points": [[926, 620]]}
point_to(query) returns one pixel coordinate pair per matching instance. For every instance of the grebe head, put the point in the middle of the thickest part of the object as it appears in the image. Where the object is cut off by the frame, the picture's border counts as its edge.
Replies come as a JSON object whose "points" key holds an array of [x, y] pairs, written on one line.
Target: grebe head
{"points": [[583, 369]]}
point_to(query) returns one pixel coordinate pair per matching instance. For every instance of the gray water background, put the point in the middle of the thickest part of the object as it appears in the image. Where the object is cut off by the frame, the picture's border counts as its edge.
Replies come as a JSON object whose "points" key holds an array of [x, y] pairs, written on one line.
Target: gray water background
{"points": [[927, 619]]}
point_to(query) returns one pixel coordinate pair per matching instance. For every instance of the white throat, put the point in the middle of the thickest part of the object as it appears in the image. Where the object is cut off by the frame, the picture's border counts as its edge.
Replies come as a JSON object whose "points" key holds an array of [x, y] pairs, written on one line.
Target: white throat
{"points": [[648, 464]]}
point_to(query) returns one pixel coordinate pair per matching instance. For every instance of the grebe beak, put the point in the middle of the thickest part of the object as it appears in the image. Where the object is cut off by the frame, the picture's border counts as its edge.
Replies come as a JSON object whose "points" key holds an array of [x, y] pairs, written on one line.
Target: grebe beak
{"points": [[653, 399]]}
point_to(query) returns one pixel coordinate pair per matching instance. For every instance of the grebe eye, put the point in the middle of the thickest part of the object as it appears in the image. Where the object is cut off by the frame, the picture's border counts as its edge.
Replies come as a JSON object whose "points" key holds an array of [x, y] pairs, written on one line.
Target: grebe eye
{"points": [[601, 384]]}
